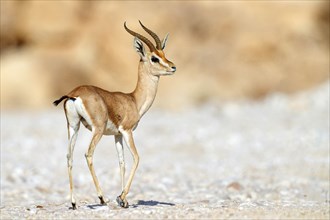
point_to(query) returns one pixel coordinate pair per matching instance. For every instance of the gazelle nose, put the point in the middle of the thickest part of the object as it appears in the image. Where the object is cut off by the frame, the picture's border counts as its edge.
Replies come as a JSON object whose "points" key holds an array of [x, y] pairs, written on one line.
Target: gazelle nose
{"points": [[173, 68]]}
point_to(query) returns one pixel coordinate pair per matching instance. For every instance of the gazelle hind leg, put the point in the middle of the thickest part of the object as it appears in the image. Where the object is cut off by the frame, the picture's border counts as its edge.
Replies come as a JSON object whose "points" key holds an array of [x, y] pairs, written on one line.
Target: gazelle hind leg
{"points": [[128, 136], [97, 134], [73, 121], [72, 142]]}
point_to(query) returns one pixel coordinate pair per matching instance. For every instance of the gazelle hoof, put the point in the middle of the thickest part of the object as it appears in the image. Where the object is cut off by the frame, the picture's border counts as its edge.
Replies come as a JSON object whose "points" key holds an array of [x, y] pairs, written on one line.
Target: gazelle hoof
{"points": [[102, 200], [122, 203], [74, 207]]}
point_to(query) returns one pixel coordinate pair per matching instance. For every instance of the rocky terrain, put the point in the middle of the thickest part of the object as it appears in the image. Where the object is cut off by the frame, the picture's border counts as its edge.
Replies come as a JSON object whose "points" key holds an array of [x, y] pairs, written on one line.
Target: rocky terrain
{"points": [[266, 159]]}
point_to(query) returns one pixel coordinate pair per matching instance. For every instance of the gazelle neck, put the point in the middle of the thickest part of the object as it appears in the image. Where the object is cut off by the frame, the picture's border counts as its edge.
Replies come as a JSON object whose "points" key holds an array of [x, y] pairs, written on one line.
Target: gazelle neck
{"points": [[146, 89]]}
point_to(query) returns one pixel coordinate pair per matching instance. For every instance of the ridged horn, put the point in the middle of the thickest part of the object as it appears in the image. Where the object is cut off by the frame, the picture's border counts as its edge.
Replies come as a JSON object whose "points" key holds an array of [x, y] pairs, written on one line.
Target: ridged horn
{"points": [[153, 35], [144, 39]]}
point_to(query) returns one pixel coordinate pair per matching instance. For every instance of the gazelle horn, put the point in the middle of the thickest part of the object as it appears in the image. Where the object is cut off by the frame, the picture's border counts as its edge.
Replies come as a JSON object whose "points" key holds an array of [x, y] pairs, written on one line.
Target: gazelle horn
{"points": [[144, 39], [153, 35]]}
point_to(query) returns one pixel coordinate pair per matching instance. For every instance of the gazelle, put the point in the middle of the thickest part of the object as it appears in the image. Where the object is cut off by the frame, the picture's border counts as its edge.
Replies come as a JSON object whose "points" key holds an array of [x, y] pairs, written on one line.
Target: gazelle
{"points": [[116, 113]]}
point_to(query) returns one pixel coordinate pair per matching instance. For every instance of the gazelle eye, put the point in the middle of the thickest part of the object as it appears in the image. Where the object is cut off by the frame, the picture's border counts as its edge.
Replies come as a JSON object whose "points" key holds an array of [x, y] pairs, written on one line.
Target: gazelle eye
{"points": [[154, 59]]}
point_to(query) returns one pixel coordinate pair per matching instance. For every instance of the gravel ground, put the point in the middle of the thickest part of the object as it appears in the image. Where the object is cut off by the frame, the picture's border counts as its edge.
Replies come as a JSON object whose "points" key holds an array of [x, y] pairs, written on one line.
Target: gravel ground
{"points": [[248, 159]]}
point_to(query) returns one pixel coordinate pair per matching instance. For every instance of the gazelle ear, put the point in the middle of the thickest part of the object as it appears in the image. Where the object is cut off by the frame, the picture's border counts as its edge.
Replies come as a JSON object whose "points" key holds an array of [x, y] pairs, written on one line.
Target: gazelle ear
{"points": [[164, 41], [138, 45]]}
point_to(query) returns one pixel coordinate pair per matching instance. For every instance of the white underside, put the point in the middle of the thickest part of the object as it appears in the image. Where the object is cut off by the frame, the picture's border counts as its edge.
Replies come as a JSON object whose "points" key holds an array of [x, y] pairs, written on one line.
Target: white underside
{"points": [[111, 128]]}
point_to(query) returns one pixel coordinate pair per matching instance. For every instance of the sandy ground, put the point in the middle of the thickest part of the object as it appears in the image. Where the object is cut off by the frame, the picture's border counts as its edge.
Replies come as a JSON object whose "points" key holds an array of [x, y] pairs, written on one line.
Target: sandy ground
{"points": [[262, 160]]}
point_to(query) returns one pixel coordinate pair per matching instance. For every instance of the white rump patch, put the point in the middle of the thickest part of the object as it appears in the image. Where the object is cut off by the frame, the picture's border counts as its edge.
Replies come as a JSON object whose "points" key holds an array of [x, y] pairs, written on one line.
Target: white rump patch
{"points": [[72, 116], [80, 108]]}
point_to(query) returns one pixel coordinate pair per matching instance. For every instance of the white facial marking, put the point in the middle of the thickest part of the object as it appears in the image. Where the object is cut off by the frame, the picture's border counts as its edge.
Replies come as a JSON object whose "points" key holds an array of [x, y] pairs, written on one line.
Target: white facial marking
{"points": [[163, 63]]}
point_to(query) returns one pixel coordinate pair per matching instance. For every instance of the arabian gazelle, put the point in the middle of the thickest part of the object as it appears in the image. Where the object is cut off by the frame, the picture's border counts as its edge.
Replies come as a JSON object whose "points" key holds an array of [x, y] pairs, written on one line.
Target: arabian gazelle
{"points": [[116, 113]]}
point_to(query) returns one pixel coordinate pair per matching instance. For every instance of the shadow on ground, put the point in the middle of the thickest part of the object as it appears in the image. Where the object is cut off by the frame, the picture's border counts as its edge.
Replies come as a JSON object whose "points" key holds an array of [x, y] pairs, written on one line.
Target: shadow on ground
{"points": [[94, 206], [139, 203], [151, 203]]}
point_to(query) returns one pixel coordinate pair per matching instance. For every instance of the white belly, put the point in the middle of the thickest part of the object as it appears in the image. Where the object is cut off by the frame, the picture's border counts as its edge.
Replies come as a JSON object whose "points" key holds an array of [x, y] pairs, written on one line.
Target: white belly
{"points": [[110, 129]]}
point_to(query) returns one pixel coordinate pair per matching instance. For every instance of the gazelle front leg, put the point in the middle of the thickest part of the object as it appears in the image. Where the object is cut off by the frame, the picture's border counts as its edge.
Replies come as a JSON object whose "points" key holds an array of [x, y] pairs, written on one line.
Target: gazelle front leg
{"points": [[120, 151], [97, 134], [128, 136]]}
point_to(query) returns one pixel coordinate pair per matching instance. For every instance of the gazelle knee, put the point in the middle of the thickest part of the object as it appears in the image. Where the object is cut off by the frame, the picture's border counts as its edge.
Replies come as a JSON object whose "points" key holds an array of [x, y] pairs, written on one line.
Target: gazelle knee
{"points": [[136, 160], [89, 158], [69, 161], [122, 163]]}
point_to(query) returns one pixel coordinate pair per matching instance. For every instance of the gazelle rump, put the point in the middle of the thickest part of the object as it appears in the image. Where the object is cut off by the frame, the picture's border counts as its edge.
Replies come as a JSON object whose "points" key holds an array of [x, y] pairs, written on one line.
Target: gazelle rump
{"points": [[116, 113]]}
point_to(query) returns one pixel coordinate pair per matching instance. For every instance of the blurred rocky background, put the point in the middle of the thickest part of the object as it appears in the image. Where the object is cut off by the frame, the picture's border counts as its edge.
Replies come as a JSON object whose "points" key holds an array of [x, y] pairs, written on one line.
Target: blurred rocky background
{"points": [[223, 50]]}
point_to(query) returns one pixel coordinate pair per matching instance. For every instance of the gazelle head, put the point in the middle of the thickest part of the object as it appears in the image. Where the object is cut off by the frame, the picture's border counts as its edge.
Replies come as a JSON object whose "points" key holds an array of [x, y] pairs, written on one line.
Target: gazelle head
{"points": [[154, 58]]}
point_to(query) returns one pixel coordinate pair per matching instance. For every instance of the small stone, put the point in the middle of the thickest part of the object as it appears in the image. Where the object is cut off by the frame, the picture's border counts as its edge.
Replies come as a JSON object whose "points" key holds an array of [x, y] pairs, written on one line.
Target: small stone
{"points": [[235, 185]]}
